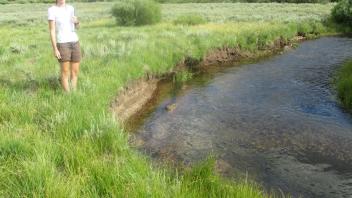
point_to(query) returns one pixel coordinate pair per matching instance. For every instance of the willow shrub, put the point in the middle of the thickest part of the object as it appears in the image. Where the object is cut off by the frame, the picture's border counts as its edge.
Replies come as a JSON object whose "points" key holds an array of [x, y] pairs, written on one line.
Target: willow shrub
{"points": [[136, 12], [342, 12]]}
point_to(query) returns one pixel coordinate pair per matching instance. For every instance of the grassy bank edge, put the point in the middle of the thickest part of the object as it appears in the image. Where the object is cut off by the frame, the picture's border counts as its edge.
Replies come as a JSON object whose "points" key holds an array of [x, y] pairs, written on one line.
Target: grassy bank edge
{"points": [[143, 90], [343, 84]]}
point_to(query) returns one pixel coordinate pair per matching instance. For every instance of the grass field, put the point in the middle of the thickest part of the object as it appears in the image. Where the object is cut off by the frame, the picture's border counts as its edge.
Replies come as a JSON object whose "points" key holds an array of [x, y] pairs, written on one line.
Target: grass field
{"points": [[69, 145], [214, 12]]}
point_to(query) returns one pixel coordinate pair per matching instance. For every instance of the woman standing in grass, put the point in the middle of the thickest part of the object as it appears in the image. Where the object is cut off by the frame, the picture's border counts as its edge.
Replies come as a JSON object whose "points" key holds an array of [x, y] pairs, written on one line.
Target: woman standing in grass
{"points": [[64, 40]]}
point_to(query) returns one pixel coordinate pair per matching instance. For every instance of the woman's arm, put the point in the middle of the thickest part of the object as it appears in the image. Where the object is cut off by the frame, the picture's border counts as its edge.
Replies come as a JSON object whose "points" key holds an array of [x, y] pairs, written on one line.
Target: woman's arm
{"points": [[53, 38]]}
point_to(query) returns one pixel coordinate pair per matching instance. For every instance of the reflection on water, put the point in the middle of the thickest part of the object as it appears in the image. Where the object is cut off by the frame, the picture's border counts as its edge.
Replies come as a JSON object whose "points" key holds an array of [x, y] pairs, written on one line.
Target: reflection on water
{"points": [[277, 119]]}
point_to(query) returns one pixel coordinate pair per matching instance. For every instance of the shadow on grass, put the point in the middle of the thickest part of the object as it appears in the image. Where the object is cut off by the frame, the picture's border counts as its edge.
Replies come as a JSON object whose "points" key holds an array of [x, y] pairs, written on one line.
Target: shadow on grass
{"points": [[32, 85]]}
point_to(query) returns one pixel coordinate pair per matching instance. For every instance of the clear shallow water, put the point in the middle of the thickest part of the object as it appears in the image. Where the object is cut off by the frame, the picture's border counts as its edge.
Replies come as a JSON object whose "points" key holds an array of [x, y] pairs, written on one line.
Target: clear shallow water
{"points": [[277, 120]]}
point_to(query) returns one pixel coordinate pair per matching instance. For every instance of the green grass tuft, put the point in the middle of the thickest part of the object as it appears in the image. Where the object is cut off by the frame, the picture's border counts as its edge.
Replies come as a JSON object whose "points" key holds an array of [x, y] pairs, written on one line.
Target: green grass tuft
{"points": [[344, 85]]}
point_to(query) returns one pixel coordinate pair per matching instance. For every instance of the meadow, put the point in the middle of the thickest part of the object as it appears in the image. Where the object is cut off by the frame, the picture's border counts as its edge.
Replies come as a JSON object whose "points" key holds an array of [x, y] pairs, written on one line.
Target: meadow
{"points": [[177, 1], [213, 12], [55, 144]]}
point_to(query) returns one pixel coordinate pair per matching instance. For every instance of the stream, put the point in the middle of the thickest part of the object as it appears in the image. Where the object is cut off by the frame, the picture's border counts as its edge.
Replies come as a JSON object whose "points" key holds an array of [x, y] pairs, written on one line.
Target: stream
{"points": [[277, 120]]}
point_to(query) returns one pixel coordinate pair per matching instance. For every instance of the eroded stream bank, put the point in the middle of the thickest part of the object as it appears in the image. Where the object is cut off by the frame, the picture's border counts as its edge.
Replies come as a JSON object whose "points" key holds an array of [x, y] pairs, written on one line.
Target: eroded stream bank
{"points": [[277, 119], [133, 101]]}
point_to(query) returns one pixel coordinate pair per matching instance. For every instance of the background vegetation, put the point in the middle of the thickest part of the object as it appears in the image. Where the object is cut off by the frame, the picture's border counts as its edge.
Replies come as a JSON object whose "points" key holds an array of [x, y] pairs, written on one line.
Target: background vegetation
{"points": [[342, 12], [18, 15], [178, 1], [190, 19], [69, 145], [136, 12]]}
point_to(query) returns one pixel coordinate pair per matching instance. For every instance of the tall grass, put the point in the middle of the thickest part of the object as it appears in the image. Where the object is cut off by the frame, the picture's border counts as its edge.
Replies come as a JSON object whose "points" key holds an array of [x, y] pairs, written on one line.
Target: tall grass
{"points": [[344, 84], [69, 145]]}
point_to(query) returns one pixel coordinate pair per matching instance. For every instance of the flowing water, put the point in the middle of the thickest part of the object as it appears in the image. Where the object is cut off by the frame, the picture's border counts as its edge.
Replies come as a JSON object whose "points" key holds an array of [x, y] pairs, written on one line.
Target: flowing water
{"points": [[277, 120]]}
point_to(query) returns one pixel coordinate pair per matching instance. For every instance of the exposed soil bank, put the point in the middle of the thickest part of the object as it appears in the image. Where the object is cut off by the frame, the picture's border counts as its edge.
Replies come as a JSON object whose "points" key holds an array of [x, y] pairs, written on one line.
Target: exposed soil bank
{"points": [[136, 94], [134, 97]]}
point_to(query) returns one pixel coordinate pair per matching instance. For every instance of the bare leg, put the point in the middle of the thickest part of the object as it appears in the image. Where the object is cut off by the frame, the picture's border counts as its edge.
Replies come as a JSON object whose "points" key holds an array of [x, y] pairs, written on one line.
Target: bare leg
{"points": [[74, 74], [65, 74]]}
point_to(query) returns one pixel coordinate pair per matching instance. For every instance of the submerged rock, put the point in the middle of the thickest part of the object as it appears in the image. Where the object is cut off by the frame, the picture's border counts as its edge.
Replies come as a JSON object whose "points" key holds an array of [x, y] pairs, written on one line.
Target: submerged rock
{"points": [[222, 167], [171, 107]]}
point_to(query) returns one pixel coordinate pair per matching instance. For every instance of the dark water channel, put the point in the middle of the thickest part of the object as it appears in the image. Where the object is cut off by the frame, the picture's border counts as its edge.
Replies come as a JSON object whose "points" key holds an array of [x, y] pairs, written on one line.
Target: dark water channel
{"points": [[277, 120]]}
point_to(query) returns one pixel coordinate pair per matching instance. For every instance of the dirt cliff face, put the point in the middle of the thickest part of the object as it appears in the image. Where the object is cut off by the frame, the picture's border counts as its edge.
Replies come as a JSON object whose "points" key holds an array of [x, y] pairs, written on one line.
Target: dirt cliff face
{"points": [[132, 99]]}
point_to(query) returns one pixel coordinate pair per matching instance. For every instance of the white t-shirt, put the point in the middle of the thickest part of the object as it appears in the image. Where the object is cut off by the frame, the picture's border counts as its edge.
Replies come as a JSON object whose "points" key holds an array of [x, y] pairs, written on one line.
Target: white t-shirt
{"points": [[65, 28]]}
